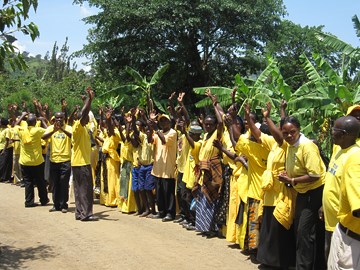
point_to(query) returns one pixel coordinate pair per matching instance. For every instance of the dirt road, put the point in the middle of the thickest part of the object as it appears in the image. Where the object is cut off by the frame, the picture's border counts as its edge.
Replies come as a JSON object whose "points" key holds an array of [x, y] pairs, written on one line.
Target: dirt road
{"points": [[33, 238]]}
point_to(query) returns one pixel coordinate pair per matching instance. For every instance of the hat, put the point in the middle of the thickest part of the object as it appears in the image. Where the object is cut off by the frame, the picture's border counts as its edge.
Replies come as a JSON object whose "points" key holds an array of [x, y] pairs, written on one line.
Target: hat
{"points": [[196, 129], [353, 108], [163, 115]]}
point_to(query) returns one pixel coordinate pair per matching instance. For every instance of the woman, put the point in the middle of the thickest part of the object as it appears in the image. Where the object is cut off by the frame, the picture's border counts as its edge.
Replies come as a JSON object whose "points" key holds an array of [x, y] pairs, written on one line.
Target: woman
{"points": [[207, 188], [305, 171]]}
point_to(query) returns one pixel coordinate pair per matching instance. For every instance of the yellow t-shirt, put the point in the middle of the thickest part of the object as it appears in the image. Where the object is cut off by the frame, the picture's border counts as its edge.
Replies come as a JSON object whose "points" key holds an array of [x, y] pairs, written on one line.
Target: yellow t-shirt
{"points": [[331, 194], [126, 152], [303, 158], [207, 150], [81, 144], [165, 155], [275, 165], [2, 138], [226, 141], [350, 193], [184, 153], [146, 156], [189, 176], [30, 146], [257, 155], [111, 144], [60, 144]]}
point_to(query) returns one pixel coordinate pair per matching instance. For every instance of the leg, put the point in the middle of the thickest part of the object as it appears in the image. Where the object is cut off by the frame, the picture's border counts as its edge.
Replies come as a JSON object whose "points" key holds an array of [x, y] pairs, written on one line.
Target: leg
{"points": [[55, 180], [40, 183], [169, 195], [29, 185], [65, 171]]}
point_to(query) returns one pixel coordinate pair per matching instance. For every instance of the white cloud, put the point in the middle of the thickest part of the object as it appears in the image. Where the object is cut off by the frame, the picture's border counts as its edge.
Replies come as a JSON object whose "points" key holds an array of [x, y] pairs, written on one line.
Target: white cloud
{"points": [[21, 47], [85, 11]]}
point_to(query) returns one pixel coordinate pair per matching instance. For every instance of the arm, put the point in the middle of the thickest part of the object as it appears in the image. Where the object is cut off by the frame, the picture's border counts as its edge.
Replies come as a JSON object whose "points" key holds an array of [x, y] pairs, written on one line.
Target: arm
{"points": [[283, 109], [86, 108], [254, 130], [171, 108], [183, 109], [275, 132], [21, 118], [220, 126], [181, 126]]}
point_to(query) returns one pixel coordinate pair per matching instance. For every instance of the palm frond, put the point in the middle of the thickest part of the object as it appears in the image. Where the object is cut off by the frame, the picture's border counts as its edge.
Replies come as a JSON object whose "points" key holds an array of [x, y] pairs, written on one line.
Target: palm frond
{"points": [[356, 23]]}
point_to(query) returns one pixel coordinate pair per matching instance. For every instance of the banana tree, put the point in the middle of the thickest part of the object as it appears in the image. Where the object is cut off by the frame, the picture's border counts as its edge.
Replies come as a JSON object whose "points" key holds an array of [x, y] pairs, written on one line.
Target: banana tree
{"points": [[268, 86]]}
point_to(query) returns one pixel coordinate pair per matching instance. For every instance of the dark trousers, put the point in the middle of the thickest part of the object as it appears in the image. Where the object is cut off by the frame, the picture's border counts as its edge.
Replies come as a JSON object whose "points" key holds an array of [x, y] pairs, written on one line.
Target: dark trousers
{"points": [[328, 236], [165, 196], [60, 175], [34, 175], [309, 231], [179, 190], [6, 162], [83, 191]]}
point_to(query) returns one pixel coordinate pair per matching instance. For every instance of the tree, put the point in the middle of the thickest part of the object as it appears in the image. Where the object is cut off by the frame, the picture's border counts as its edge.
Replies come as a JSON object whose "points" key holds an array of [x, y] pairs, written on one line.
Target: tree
{"points": [[12, 15], [291, 43], [205, 42]]}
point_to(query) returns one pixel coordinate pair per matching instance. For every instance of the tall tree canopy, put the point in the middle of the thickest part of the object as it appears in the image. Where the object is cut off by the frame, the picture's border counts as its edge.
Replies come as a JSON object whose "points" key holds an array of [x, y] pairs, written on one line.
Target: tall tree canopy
{"points": [[205, 41]]}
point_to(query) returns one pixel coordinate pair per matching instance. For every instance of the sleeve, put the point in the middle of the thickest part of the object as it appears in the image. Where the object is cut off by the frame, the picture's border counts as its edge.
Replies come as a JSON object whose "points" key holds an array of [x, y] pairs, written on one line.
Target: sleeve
{"points": [[242, 146], [350, 186], [171, 138], [312, 160], [267, 141]]}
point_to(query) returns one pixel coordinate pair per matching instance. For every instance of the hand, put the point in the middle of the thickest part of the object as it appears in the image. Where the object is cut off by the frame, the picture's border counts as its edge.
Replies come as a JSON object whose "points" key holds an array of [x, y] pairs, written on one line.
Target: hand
{"points": [[283, 104], [172, 96], [266, 113], [90, 92], [153, 116], [181, 97], [217, 144], [201, 118], [283, 177], [108, 114]]}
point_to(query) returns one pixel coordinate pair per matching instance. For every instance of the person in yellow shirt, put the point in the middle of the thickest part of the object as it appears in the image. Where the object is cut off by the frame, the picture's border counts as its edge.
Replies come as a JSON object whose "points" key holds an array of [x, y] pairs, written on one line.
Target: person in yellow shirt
{"points": [[345, 242], [165, 143], [59, 136], [81, 163], [305, 171], [6, 155], [31, 159], [344, 134]]}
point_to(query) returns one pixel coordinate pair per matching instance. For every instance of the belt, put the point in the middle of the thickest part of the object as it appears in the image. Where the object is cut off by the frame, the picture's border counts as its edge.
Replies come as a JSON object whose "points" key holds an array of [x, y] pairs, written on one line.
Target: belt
{"points": [[349, 233]]}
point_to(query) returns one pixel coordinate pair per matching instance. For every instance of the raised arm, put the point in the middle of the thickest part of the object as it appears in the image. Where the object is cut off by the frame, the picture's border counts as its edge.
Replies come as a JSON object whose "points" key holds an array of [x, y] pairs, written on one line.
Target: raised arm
{"points": [[218, 114], [184, 111], [275, 132], [87, 105], [254, 130]]}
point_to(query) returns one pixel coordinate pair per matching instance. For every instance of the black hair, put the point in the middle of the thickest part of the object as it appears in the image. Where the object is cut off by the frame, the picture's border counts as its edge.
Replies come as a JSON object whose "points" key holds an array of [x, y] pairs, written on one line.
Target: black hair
{"points": [[264, 128], [290, 119], [242, 125], [212, 117]]}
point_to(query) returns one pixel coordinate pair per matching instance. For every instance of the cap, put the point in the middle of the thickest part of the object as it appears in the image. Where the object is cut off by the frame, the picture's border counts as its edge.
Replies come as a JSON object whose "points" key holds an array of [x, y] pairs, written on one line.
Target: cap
{"points": [[163, 115], [196, 129], [353, 108]]}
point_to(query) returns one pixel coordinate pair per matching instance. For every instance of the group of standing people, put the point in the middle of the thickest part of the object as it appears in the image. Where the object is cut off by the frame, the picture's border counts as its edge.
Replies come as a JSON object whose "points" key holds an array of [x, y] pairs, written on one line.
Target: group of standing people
{"points": [[263, 186]]}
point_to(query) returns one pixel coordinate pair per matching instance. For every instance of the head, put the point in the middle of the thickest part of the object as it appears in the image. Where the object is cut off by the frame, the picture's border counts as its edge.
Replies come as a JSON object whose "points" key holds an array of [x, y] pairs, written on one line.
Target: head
{"points": [[195, 132], [253, 117], [345, 131], [140, 125], [290, 129], [210, 123], [164, 122], [59, 118], [4, 122], [31, 120]]}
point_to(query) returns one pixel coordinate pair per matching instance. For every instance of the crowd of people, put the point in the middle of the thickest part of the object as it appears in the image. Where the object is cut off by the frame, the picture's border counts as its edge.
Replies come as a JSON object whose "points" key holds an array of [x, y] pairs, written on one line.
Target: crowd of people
{"points": [[261, 185]]}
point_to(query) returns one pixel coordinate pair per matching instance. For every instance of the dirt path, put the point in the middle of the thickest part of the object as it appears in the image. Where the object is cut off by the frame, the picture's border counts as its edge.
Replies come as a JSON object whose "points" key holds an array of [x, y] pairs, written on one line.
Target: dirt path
{"points": [[33, 238]]}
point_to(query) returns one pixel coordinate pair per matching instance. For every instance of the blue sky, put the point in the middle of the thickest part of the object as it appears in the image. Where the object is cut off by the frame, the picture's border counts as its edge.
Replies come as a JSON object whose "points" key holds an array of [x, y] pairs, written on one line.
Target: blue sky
{"points": [[58, 19]]}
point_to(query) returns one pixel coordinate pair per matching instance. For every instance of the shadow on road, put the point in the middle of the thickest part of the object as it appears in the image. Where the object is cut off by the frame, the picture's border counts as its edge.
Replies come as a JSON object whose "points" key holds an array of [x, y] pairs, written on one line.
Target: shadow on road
{"points": [[14, 258]]}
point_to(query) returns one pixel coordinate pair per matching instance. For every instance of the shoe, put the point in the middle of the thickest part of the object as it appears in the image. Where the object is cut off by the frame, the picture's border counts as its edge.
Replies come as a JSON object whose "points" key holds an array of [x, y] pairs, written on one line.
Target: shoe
{"points": [[45, 203], [77, 218], [184, 222], [181, 218], [64, 210], [190, 227], [31, 205], [167, 218], [91, 218], [53, 209]]}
